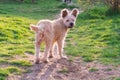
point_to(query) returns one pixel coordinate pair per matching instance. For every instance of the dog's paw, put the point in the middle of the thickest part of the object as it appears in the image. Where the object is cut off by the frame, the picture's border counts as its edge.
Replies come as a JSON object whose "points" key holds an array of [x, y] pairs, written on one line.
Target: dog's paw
{"points": [[65, 57], [37, 61], [45, 60]]}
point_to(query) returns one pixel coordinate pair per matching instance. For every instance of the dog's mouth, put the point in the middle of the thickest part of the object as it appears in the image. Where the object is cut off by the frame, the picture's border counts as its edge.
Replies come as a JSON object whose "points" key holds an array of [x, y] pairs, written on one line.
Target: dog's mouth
{"points": [[70, 26]]}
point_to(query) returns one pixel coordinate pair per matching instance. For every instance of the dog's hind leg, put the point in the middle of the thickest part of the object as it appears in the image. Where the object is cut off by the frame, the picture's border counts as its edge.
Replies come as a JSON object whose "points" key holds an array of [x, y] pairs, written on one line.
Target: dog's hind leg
{"points": [[47, 51]]}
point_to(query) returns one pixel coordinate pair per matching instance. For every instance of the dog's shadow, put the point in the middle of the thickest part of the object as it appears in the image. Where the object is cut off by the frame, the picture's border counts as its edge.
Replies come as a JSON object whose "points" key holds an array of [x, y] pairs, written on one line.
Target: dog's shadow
{"points": [[47, 71], [43, 71]]}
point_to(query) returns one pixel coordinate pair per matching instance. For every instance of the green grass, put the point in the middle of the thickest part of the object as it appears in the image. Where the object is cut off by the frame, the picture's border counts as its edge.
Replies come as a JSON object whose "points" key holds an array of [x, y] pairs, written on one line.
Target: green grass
{"points": [[4, 72], [14, 70], [4, 61], [21, 63], [63, 70], [95, 36], [117, 78], [93, 69]]}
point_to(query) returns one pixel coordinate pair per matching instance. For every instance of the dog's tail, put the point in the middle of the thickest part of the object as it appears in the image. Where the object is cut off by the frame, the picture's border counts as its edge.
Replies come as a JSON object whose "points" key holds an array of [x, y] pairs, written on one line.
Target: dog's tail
{"points": [[36, 28]]}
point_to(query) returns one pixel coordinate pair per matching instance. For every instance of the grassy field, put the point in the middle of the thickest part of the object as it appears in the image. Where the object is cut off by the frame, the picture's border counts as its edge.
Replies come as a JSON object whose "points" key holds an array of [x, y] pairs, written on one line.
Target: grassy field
{"points": [[95, 36]]}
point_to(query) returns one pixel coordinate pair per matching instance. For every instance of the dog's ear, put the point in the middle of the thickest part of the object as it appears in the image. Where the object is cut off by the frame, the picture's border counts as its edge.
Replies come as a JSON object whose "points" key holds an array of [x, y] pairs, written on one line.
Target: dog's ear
{"points": [[33, 27], [75, 12], [64, 13]]}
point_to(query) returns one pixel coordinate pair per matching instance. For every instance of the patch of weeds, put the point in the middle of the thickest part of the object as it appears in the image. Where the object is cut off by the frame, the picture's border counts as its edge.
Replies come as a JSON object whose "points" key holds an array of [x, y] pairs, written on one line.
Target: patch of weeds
{"points": [[86, 55], [108, 69], [16, 52], [22, 63], [28, 71], [94, 13], [71, 59], [72, 50], [88, 59], [112, 61], [110, 55], [4, 73], [30, 52], [15, 70], [28, 1], [64, 5], [5, 55], [2, 78], [3, 61], [117, 79], [93, 69], [64, 70]]}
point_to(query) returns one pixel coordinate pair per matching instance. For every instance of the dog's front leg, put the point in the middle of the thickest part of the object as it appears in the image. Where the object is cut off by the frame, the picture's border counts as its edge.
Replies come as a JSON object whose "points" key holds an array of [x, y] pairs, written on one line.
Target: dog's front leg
{"points": [[37, 52], [60, 48], [52, 51]]}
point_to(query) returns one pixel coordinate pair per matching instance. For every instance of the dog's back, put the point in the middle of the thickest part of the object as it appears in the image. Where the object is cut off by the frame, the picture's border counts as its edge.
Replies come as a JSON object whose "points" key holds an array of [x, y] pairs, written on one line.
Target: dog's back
{"points": [[52, 29]]}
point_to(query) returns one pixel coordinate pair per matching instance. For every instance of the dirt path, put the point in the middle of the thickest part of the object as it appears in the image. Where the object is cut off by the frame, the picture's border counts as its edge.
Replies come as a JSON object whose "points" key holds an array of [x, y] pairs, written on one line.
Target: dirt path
{"points": [[63, 69]]}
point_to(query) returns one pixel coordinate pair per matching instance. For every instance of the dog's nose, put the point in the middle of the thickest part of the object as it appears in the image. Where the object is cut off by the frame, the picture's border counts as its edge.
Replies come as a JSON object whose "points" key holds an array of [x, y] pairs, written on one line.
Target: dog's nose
{"points": [[71, 24]]}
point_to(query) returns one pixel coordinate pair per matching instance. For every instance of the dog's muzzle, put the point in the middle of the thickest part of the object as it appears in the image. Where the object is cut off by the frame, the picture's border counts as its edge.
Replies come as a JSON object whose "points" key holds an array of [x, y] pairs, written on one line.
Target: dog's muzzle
{"points": [[71, 25]]}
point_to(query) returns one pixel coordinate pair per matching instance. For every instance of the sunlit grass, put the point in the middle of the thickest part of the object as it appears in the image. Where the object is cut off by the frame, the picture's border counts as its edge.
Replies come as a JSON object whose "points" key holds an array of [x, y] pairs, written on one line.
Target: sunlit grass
{"points": [[23, 63], [4, 72], [95, 36], [95, 39]]}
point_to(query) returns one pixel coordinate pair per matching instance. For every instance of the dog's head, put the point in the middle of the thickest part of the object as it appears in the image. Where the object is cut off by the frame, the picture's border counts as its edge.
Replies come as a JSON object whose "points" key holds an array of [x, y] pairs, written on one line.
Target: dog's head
{"points": [[69, 17]]}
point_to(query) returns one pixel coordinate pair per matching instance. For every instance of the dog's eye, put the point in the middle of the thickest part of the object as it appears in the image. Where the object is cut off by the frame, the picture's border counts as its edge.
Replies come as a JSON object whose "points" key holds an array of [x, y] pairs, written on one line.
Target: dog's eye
{"points": [[67, 20]]}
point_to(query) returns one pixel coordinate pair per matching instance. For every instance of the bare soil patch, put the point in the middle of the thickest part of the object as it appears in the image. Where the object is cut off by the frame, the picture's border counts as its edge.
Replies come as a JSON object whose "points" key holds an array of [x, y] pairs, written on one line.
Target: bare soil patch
{"points": [[63, 69]]}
